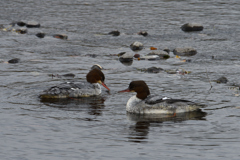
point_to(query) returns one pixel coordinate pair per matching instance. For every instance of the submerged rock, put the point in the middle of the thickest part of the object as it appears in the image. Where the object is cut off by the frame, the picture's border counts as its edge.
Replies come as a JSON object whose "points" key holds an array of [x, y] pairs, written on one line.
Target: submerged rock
{"points": [[97, 66], [150, 57], [161, 54], [153, 70], [143, 33], [32, 24], [188, 27], [125, 56], [136, 46], [40, 35], [21, 30], [221, 80], [14, 60], [21, 24], [185, 51], [114, 33], [60, 36]]}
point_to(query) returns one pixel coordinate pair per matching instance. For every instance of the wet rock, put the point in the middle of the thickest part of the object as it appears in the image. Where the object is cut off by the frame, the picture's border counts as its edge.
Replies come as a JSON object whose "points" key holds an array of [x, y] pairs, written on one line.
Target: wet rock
{"points": [[153, 70], [125, 56], [97, 66], [136, 46], [40, 35], [188, 27], [161, 54], [69, 75], [185, 51], [178, 71], [21, 30], [143, 33], [32, 24], [114, 33], [221, 80], [60, 36], [167, 50], [14, 60], [21, 24], [150, 57]]}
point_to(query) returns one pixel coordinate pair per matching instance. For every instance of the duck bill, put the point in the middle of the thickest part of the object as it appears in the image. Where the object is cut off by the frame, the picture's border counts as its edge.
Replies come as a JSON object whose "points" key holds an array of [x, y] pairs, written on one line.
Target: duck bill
{"points": [[126, 90], [104, 85]]}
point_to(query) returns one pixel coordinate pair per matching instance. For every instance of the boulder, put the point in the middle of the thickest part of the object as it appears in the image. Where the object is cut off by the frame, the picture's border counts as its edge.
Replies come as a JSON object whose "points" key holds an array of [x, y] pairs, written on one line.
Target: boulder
{"points": [[188, 27], [188, 51]]}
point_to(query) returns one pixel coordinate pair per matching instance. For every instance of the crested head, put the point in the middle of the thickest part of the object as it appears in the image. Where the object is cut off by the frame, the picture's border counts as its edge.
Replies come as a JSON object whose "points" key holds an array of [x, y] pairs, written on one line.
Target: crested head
{"points": [[95, 75], [141, 88]]}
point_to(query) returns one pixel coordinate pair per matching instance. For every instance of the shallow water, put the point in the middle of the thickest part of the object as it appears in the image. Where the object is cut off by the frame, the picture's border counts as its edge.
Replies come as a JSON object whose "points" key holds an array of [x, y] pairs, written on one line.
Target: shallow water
{"points": [[100, 128]]}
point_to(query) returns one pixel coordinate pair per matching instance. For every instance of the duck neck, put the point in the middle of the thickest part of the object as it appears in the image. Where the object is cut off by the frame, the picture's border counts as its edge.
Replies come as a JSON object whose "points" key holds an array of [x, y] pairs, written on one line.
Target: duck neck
{"points": [[142, 95]]}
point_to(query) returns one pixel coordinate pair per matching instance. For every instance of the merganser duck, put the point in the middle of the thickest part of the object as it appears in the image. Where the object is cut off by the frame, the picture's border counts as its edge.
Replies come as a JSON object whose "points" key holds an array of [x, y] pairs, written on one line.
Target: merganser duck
{"points": [[144, 103], [80, 89]]}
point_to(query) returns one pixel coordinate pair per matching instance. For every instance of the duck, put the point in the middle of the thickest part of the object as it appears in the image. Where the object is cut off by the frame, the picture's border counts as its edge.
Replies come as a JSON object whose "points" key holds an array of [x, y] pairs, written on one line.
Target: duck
{"points": [[144, 103], [92, 87]]}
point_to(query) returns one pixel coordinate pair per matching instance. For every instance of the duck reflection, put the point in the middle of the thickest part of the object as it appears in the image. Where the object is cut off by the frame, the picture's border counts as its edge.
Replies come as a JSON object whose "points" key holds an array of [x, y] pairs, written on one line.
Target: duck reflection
{"points": [[93, 105], [139, 131]]}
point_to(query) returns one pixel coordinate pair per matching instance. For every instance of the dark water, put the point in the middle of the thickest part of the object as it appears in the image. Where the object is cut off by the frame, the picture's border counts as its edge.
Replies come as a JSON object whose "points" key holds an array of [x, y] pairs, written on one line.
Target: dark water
{"points": [[100, 128]]}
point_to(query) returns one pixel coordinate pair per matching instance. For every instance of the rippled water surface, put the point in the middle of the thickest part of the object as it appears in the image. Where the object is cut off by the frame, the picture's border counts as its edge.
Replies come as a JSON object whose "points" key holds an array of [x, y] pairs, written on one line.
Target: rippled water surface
{"points": [[99, 127]]}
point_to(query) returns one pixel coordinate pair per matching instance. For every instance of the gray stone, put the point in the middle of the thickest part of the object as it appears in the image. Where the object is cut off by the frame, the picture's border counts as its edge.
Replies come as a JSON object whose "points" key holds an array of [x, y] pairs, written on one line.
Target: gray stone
{"points": [[188, 27], [136, 46], [185, 51]]}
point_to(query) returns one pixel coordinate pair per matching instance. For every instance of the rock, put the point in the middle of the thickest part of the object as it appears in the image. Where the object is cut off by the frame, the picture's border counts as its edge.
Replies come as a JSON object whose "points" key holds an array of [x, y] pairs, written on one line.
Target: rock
{"points": [[125, 56], [96, 66], [153, 70], [21, 30], [150, 57], [161, 54], [40, 35], [21, 24], [184, 51], [69, 75], [114, 33], [188, 27], [14, 60], [60, 36], [143, 33], [136, 46], [32, 24], [221, 80]]}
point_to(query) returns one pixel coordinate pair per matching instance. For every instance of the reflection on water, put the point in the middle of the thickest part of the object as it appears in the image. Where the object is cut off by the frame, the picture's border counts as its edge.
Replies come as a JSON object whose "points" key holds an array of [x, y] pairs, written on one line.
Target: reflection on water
{"points": [[140, 130], [93, 105]]}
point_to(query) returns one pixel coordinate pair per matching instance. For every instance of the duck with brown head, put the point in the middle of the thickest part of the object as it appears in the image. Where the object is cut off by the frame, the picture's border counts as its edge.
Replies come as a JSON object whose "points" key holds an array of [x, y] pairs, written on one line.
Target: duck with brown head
{"points": [[79, 89], [144, 103]]}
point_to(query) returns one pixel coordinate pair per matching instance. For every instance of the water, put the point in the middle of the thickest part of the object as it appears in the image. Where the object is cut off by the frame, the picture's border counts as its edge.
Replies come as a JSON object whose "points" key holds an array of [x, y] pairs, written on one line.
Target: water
{"points": [[100, 128]]}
